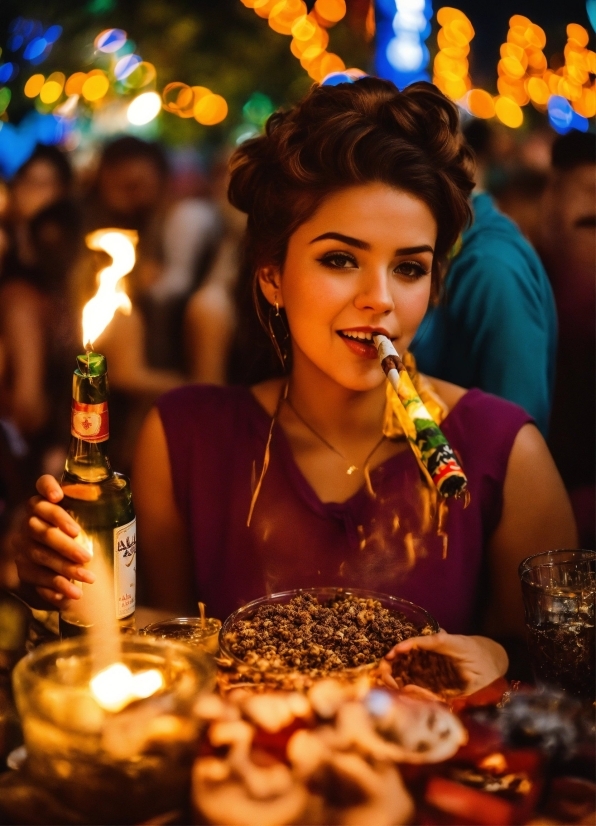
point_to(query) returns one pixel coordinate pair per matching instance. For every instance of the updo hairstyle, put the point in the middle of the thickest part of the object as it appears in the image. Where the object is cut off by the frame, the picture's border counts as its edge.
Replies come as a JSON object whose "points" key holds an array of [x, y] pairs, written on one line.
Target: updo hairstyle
{"points": [[346, 135]]}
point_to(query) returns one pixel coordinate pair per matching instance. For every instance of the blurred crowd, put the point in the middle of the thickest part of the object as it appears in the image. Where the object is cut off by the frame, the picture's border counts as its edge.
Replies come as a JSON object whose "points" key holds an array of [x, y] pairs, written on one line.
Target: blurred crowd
{"points": [[186, 286]]}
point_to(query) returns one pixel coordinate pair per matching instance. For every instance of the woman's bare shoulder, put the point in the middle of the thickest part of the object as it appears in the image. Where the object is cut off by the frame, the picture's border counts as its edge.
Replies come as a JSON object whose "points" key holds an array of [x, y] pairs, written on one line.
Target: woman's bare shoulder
{"points": [[449, 393], [267, 393]]}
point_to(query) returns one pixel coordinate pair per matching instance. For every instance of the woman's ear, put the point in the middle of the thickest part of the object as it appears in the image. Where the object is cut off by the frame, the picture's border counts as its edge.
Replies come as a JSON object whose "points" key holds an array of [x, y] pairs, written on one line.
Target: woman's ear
{"points": [[270, 284]]}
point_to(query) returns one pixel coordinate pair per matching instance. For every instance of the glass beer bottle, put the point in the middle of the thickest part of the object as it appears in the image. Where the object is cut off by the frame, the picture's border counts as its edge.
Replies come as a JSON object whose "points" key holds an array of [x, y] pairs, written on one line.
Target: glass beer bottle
{"points": [[98, 498]]}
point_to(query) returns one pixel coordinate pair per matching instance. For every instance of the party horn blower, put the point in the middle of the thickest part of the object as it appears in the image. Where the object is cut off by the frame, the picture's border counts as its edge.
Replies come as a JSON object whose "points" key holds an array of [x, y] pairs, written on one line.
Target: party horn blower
{"points": [[430, 445]]}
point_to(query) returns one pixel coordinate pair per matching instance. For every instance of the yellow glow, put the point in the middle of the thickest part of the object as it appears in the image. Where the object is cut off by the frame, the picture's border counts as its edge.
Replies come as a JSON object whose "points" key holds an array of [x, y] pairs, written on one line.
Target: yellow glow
{"points": [[447, 14], [146, 683], [578, 33], [116, 686], [110, 296], [519, 20], [538, 91], [248, 3], [512, 67], [456, 88], [74, 84], [144, 108], [509, 112], [512, 50], [264, 7], [591, 62], [536, 62], [331, 63], [332, 10], [513, 89], [34, 86], [304, 28], [170, 95], [480, 103], [210, 109], [52, 88], [95, 87], [535, 36], [586, 106], [570, 89], [517, 35]]}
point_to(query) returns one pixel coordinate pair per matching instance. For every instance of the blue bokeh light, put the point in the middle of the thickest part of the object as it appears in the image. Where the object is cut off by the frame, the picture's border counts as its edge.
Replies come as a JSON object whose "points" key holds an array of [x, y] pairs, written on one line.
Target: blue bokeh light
{"points": [[563, 118], [35, 48], [52, 34], [8, 71], [402, 27], [126, 66], [335, 78]]}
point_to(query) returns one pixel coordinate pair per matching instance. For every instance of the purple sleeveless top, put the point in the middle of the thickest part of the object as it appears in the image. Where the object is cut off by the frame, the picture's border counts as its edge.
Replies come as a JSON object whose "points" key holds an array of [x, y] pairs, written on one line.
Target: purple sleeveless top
{"points": [[214, 436]]}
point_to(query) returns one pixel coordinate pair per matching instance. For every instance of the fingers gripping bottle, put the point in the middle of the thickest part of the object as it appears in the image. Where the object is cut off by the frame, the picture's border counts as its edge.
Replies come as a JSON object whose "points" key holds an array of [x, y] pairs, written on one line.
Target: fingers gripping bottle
{"points": [[100, 501]]}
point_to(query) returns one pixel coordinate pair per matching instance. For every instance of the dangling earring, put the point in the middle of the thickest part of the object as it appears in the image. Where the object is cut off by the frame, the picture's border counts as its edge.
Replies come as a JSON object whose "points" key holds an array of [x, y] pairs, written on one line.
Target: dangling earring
{"points": [[274, 313]]}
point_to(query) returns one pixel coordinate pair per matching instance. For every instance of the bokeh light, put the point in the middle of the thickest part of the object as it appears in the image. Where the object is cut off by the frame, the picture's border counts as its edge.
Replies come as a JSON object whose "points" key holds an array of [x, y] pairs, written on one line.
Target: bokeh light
{"points": [[210, 109], [110, 40], [34, 85], [5, 96], [480, 103], [95, 86], [74, 84], [8, 71], [144, 108], [52, 88], [126, 66], [508, 112], [331, 10]]}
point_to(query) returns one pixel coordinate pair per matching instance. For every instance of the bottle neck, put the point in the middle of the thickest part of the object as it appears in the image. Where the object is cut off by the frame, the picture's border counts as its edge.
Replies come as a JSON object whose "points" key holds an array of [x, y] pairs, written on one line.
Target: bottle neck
{"points": [[87, 458]]}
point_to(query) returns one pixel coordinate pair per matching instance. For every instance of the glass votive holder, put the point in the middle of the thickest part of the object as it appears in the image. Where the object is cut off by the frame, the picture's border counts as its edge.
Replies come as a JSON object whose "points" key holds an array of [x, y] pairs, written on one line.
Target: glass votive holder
{"points": [[559, 592], [201, 634], [125, 765]]}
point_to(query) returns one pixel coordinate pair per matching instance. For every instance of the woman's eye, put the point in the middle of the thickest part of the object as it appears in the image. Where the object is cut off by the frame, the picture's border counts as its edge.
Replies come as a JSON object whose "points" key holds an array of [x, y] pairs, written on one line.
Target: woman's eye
{"points": [[338, 261], [411, 269]]}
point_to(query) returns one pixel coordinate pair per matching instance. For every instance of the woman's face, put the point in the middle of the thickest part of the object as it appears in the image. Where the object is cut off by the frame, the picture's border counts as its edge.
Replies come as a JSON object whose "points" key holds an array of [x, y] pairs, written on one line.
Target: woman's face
{"points": [[38, 187], [361, 263]]}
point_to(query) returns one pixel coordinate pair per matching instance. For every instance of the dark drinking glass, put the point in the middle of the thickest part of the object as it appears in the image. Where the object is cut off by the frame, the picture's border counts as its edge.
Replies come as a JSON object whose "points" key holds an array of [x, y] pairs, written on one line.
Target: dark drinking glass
{"points": [[559, 590]]}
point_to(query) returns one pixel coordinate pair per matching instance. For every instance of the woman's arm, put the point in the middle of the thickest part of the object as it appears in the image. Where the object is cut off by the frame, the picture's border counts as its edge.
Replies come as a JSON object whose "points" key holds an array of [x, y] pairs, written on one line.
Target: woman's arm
{"points": [[49, 557], [164, 555], [536, 517]]}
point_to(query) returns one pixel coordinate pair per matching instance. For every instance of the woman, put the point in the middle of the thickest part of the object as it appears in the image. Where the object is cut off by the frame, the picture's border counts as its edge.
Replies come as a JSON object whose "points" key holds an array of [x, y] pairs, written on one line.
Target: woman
{"points": [[354, 198]]}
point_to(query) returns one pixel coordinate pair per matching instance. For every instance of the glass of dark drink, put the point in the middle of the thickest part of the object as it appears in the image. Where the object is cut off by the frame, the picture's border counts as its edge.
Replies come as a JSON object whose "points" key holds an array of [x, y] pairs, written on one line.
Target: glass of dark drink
{"points": [[559, 591]]}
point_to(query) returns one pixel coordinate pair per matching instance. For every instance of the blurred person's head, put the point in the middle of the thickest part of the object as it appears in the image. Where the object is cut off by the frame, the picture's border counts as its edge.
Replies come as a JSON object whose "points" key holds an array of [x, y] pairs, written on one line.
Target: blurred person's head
{"points": [[520, 198], [131, 179], [567, 240], [56, 238], [43, 179]]}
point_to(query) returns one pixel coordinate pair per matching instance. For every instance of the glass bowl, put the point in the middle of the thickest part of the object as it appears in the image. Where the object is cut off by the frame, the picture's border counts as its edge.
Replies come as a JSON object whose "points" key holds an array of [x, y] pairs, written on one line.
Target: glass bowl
{"points": [[419, 617], [188, 630], [123, 766]]}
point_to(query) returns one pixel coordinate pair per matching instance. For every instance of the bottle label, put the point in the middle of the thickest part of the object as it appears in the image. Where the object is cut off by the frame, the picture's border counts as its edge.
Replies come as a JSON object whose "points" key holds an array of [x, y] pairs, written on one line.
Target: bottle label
{"points": [[125, 568], [90, 422]]}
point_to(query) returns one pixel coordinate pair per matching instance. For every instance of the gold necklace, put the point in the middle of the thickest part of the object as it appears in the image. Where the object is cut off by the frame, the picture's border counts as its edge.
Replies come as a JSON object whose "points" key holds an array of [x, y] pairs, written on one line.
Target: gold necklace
{"points": [[352, 468]]}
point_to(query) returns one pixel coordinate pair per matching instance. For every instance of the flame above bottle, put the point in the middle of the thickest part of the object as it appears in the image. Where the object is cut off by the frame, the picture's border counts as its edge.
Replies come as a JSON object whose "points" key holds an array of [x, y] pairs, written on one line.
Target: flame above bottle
{"points": [[120, 245]]}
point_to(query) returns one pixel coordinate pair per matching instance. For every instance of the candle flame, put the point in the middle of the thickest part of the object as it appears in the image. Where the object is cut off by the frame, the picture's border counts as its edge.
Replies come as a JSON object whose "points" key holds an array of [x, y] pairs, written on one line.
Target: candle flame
{"points": [[116, 686], [110, 296]]}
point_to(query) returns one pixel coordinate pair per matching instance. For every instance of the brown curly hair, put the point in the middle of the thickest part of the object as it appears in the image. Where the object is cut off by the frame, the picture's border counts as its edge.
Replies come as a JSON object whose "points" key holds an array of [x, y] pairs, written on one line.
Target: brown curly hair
{"points": [[340, 136]]}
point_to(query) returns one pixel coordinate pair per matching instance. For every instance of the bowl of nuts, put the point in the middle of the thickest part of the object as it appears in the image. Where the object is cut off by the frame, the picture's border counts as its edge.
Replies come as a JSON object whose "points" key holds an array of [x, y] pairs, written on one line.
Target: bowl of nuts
{"points": [[319, 631]]}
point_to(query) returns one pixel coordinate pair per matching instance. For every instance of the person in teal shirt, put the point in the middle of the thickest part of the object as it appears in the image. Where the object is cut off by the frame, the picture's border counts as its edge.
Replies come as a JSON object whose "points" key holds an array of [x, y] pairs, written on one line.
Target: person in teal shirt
{"points": [[496, 325]]}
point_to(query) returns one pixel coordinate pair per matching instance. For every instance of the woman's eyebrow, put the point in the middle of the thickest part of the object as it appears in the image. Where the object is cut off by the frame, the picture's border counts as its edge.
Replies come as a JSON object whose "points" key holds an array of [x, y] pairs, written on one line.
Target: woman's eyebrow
{"points": [[345, 239], [363, 245], [414, 250]]}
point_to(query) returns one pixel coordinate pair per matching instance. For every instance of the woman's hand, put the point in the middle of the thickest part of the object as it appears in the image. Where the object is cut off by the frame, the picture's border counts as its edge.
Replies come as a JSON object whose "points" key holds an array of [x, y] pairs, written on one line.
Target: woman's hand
{"points": [[48, 556], [480, 660]]}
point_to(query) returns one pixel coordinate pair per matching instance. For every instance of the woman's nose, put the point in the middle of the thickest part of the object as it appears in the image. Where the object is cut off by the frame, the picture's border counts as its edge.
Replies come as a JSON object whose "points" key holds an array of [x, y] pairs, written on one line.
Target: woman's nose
{"points": [[374, 293]]}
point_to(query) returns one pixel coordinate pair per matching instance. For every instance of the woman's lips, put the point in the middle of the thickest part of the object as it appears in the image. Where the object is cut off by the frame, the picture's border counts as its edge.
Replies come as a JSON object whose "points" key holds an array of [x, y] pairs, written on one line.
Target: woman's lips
{"points": [[364, 349]]}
